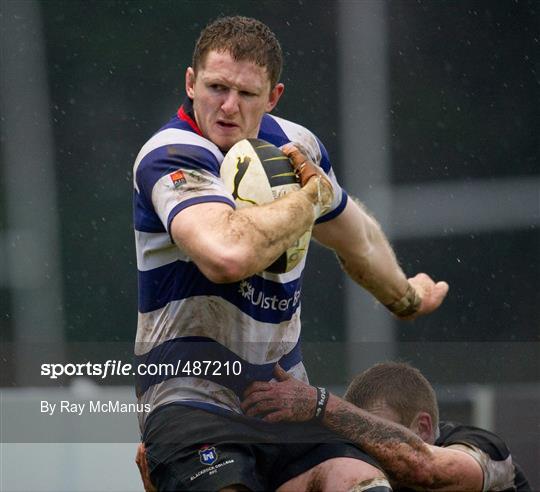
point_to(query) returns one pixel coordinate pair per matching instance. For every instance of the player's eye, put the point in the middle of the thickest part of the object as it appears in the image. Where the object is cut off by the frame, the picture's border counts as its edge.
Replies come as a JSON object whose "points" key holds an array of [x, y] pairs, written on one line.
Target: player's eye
{"points": [[217, 87]]}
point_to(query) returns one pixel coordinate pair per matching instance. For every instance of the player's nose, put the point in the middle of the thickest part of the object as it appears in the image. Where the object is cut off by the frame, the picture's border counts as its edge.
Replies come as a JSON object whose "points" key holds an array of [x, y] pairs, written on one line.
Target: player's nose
{"points": [[230, 103]]}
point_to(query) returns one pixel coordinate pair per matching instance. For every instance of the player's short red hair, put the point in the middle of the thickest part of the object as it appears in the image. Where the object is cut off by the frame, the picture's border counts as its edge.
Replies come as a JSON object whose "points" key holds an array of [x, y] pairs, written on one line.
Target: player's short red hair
{"points": [[244, 39]]}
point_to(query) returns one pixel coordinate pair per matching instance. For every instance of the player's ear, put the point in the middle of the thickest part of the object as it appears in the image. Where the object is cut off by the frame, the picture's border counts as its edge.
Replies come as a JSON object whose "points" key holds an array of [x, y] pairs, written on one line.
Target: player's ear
{"points": [[422, 426], [190, 82], [274, 96]]}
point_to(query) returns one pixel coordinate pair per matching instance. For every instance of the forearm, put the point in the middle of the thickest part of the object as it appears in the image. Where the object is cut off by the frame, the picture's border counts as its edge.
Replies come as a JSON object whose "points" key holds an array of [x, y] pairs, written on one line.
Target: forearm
{"points": [[364, 252], [401, 453], [374, 266], [228, 245], [368, 258], [407, 459], [263, 233]]}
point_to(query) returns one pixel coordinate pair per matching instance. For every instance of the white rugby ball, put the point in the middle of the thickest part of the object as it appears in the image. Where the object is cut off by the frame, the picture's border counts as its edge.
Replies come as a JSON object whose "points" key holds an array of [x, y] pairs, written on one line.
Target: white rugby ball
{"points": [[257, 172]]}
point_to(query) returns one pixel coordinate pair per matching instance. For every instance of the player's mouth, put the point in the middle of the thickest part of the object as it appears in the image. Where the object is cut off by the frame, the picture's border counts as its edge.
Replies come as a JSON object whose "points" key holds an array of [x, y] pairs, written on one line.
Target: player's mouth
{"points": [[226, 125]]}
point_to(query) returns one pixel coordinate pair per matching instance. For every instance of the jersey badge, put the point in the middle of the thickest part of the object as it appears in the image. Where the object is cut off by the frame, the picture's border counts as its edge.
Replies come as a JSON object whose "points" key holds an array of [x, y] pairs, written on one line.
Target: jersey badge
{"points": [[208, 456], [178, 178]]}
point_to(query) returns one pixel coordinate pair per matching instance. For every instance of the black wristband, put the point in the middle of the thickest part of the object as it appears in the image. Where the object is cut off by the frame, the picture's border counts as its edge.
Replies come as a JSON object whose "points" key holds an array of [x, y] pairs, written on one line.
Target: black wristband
{"points": [[322, 399]]}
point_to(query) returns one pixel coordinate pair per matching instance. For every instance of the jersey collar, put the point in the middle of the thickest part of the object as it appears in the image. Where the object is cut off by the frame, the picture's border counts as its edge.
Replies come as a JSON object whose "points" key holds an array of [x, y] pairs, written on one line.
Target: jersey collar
{"points": [[185, 113]]}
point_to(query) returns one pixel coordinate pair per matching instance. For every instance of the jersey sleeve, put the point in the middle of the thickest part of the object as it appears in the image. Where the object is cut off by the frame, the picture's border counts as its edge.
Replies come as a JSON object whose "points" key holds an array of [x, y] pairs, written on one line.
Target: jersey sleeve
{"points": [[488, 449], [318, 154], [280, 132], [340, 196], [498, 474], [173, 177]]}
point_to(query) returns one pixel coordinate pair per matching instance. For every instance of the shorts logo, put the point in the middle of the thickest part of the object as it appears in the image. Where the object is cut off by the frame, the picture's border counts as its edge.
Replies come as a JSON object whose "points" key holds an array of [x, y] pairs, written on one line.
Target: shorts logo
{"points": [[208, 456], [178, 178]]}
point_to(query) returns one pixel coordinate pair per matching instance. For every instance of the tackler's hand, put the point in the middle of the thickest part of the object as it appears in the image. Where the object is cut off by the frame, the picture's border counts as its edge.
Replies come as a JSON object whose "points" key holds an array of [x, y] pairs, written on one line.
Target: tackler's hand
{"points": [[287, 400], [142, 464], [312, 178]]}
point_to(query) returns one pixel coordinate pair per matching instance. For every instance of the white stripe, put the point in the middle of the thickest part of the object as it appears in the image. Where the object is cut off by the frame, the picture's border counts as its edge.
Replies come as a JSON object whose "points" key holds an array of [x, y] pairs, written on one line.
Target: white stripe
{"points": [[155, 249], [165, 196], [338, 191], [173, 136], [300, 135], [211, 316]]}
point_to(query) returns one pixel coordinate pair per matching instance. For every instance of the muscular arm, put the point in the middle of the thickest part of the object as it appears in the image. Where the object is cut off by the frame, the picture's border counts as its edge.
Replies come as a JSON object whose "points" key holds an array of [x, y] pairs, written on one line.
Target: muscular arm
{"points": [[409, 460], [228, 245], [364, 252], [403, 455], [369, 260]]}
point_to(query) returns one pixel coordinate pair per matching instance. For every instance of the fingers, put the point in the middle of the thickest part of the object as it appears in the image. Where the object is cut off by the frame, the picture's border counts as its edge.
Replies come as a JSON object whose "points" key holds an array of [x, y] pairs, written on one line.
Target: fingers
{"points": [[305, 169], [142, 464], [442, 288], [262, 391], [321, 188], [252, 399], [294, 154], [140, 455], [432, 293], [259, 404], [280, 373], [257, 386], [278, 416]]}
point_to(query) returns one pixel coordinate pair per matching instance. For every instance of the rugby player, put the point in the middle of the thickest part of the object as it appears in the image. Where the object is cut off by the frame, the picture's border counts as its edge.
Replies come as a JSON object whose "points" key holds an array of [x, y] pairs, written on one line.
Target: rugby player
{"points": [[202, 283], [391, 411]]}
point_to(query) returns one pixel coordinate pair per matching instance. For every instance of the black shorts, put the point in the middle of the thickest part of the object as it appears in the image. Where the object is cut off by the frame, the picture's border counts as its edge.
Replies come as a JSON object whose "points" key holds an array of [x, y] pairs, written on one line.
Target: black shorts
{"points": [[193, 449]]}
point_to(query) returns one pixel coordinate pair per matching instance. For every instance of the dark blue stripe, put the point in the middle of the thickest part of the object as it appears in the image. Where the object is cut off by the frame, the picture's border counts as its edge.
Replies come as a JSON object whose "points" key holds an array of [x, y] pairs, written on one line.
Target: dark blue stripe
{"points": [[325, 158], [193, 349], [182, 279], [169, 158], [178, 124], [378, 488], [209, 407], [144, 217], [334, 213], [272, 132], [194, 201]]}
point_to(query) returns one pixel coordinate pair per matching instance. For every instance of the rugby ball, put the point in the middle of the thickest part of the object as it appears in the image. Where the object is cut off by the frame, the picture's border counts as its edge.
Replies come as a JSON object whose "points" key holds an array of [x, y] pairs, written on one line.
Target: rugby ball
{"points": [[256, 172]]}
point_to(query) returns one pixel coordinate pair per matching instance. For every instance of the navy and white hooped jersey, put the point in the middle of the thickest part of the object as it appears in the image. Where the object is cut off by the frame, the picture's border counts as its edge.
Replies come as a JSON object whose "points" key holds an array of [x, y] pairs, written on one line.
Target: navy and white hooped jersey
{"points": [[201, 343]]}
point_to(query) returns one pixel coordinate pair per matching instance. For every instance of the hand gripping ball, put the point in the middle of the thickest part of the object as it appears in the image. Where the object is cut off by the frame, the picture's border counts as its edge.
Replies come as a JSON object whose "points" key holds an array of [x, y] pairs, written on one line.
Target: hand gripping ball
{"points": [[256, 172]]}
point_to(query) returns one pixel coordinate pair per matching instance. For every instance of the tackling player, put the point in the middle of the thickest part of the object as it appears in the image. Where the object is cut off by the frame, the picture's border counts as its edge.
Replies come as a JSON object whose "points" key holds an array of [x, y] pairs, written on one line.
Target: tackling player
{"points": [[201, 267], [421, 453]]}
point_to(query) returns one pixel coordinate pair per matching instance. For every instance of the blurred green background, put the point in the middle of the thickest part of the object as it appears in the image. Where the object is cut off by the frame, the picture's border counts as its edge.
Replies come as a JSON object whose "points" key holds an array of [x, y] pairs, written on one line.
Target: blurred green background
{"points": [[461, 84], [464, 104]]}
